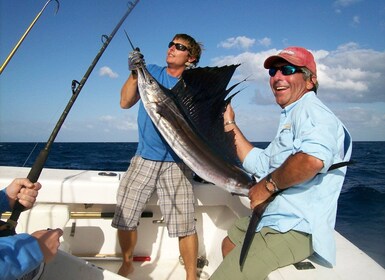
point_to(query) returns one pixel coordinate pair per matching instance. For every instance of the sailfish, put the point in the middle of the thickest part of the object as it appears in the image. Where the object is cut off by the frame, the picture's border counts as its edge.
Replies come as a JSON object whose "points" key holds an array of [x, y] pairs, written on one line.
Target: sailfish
{"points": [[190, 118]]}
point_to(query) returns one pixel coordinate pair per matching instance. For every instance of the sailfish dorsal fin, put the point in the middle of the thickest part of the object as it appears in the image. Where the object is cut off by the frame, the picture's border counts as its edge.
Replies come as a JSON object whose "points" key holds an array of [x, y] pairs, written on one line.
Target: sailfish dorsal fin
{"points": [[201, 96]]}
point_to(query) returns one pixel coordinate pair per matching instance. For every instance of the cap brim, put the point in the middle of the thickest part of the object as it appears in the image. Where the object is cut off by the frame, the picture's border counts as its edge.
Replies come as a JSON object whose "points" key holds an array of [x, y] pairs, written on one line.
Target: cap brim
{"points": [[270, 61]]}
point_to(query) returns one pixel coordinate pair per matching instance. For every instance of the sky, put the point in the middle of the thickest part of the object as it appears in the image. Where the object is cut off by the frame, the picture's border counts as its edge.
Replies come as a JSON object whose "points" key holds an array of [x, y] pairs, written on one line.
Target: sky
{"points": [[347, 38]]}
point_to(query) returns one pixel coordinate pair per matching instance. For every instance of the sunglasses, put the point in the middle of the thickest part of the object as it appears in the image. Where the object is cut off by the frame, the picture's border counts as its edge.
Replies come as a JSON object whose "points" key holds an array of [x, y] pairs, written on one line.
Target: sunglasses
{"points": [[178, 46], [286, 70]]}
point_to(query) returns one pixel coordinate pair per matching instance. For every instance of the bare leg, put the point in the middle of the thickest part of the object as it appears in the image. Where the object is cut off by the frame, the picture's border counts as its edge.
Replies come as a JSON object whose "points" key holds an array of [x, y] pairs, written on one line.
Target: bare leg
{"points": [[127, 241], [188, 248], [227, 246]]}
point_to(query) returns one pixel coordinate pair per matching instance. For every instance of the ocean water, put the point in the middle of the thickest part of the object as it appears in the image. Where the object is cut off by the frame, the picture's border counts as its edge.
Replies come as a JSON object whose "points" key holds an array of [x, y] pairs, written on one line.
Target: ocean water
{"points": [[361, 206]]}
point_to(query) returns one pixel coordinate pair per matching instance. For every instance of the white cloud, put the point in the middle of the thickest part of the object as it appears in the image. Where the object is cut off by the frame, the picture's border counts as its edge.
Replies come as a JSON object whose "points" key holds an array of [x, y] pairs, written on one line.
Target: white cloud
{"points": [[363, 122], [115, 123], [107, 71], [353, 74], [351, 80], [338, 5], [363, 117], [266, 42], [347, 74], [356, 20], [107, 118], [345, 3], [241, 42]]}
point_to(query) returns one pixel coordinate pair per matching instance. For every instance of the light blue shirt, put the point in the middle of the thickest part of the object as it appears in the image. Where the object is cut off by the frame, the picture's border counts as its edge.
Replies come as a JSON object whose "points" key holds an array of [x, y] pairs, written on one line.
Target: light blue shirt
{"points": [[307, 126], [151, 144]]}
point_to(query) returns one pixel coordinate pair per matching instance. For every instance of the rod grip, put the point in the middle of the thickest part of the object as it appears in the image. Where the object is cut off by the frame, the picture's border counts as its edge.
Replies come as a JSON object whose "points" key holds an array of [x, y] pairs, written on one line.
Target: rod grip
{"points": [[33, 176]]}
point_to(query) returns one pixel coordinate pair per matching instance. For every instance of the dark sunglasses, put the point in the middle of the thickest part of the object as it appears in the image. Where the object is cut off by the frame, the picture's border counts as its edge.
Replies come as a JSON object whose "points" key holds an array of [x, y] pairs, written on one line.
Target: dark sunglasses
{"points": [[285, 70], [178, 46]]}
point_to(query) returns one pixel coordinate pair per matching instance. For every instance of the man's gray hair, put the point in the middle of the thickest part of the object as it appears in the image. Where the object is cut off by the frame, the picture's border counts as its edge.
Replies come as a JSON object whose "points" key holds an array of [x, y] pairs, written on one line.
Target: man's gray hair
{"points": [[307, 74]]}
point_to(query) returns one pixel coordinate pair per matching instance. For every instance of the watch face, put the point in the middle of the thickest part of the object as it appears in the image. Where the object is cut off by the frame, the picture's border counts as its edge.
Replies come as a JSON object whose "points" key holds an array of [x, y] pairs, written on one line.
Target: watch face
{"points": [[269, 186], [274, 187]]}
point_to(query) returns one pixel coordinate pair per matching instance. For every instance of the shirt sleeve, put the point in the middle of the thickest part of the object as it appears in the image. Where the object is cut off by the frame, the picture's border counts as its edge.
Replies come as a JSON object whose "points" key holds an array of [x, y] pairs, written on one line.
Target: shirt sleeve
{"points": [[256, 162], [19, 254], [316, 134], [4, 204]]}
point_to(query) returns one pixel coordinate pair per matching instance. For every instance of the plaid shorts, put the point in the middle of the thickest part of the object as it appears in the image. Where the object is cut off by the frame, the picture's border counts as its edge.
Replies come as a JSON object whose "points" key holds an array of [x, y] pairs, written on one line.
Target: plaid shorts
{"points": [[173, 184]]}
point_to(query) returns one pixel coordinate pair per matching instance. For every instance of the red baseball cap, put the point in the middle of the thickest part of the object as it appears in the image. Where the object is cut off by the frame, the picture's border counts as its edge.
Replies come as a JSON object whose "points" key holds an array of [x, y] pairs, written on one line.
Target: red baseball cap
{"points": [[294, 55]]}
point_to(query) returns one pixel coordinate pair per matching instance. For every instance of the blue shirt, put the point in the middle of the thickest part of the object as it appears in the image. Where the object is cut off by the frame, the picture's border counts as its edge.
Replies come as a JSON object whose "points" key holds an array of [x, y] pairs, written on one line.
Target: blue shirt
{"points": [[20, 253], [307, 126], [151, 144], [4, 203]]}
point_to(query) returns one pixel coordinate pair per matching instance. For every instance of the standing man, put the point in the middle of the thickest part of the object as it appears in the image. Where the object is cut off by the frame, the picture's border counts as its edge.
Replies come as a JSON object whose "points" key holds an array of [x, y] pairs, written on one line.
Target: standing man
{"points": [[310, 139], [156, 167]]}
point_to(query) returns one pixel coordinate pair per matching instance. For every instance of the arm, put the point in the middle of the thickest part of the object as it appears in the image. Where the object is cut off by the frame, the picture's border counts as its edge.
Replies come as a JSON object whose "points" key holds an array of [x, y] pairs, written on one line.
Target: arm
{"points": [[15, 263], [21, 253], [296, 169], [129, 94], [242, 145]]}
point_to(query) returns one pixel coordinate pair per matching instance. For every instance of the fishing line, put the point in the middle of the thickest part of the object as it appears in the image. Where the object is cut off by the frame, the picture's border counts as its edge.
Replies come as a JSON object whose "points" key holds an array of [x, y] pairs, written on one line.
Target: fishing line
{"points": [[47, 126], [33, 149], [25, 34], [9, 227]]}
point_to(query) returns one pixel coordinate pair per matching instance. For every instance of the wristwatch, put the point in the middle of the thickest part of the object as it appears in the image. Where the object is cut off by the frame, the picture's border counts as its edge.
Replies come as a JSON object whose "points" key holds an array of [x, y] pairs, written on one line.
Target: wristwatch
{"points": [[270, 185]]}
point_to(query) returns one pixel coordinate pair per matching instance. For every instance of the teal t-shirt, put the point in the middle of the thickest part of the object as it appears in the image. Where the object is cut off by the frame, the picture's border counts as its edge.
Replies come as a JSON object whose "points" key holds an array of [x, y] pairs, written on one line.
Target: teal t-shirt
{"points": [[151, 144]]}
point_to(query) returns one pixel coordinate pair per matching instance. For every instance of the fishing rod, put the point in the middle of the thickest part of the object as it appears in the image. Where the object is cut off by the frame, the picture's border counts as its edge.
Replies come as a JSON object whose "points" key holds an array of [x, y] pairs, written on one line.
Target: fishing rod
{"points": [[9, 227], [26, 33]]}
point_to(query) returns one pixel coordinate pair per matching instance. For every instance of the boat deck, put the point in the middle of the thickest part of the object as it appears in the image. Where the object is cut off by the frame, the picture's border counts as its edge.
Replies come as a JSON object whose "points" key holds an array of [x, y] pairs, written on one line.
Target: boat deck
{"points": [[82, 204]]}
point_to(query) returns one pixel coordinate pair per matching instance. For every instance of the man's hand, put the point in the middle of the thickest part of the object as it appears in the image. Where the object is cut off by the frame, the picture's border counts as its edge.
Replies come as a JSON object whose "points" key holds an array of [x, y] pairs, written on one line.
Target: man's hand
{"points": [[229, 114], [135, 59], [49, 242], [258, 194], [23, 190]]}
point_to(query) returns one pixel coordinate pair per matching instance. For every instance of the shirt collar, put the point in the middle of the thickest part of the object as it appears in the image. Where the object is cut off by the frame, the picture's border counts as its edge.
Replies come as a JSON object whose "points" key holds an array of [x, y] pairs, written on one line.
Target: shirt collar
{"points": [[289, 107]]}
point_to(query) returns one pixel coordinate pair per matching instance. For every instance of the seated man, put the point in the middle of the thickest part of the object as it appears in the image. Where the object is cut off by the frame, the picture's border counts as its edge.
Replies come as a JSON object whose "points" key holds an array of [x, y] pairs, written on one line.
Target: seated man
{"points": [[295, 169]]}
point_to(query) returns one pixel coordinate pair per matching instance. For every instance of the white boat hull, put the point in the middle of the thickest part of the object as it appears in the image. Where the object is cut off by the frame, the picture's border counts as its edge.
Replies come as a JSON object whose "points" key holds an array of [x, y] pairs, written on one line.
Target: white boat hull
{"points": [[82, 204]]}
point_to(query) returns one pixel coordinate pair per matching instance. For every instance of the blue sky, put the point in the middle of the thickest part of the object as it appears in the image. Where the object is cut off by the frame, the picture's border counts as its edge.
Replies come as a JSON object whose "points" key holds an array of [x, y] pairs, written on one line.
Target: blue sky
{"points": [[347, 38]]}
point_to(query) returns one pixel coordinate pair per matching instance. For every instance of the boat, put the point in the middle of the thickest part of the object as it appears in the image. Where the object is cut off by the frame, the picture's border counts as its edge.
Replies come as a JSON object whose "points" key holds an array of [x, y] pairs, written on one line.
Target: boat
{"points": [[82, 203]]}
